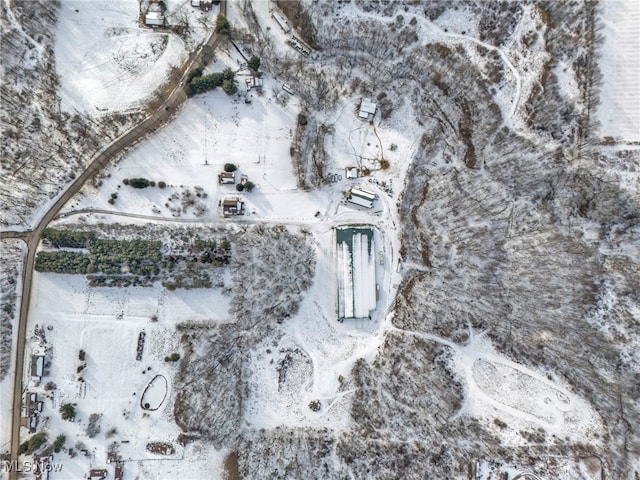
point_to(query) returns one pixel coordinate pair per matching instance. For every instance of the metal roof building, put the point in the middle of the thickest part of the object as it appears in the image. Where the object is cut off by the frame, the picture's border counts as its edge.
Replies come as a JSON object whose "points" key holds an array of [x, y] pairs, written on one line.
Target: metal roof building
{"points": [[281, 21], [154, 19], [356, 272], [367, 109], [362, 197]]}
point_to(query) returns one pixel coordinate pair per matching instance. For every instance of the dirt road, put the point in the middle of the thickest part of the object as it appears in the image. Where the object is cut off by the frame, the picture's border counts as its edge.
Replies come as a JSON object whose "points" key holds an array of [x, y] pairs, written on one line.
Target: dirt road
{"points": [[176, 98]]}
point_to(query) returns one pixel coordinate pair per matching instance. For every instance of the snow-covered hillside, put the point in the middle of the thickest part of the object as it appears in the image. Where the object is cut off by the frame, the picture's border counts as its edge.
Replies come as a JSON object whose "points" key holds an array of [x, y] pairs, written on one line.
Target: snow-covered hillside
{"points": [[106, 60], [44, 147]]}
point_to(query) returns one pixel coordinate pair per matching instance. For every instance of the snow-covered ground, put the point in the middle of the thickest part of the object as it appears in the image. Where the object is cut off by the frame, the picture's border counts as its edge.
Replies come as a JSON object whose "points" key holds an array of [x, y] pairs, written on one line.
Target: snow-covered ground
{"points": [[301, 377], [107, 61], [520, 397], [214, 129], [12, 255], [619, 110], [316, 352], [209, 131], [106, 323], [589, 468]]}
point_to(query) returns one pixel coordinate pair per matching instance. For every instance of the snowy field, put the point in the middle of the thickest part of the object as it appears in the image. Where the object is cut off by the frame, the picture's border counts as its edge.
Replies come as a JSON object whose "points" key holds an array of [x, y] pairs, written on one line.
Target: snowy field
{"points": [[106, 323], [213, 129], [140, 303], [299, 376], [209, 131], [315, 352], [106, 60], [619, 110]]}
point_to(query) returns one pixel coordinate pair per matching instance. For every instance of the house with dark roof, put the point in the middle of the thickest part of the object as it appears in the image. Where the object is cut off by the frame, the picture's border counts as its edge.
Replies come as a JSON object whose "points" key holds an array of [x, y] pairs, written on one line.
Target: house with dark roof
{"points": [[232, 207], [227, 178]]}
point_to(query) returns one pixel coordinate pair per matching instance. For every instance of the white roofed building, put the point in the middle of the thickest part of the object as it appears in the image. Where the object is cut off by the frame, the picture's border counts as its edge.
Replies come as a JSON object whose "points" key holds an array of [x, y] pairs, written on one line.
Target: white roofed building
{"points": [[362, 197], [352, 172], [367, 109], [281, 20], [226, 178], [356, 272], [154, 19], [232, 207]]}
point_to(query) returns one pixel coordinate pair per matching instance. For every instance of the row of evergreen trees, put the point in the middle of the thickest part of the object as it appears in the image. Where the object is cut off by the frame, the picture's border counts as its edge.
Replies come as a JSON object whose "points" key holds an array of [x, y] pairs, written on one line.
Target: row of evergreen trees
{"points": [[199, 83]]}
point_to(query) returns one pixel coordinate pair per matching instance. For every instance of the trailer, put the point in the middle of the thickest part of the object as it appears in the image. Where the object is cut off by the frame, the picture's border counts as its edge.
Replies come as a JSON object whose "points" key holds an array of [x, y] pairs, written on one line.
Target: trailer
{"points": [[287, 89]]}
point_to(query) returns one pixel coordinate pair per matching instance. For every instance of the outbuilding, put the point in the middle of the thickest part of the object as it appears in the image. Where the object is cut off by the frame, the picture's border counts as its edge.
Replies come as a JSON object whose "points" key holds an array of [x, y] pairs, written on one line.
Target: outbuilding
{"points": [[37, 366], [352, 172], [97, 474], [356, 272], [154, 19], [227, 178], [232, 207], [361, 197], [253, 82], [367, 109], [281, 21]]}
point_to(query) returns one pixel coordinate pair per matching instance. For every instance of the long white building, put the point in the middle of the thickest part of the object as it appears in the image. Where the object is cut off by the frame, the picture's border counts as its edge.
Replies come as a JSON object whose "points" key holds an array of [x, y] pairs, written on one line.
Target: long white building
{"points": [[356, 272]]}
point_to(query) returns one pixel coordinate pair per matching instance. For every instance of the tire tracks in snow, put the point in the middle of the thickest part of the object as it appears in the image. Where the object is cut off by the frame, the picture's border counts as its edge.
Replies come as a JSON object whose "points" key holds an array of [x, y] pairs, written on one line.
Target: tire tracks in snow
{"points": [[439, 32], [465, 362]]}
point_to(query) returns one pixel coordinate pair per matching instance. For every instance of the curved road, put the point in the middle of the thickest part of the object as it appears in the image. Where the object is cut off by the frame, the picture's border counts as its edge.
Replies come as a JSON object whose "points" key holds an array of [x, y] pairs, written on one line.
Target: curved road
{"points": [[176, 98]]}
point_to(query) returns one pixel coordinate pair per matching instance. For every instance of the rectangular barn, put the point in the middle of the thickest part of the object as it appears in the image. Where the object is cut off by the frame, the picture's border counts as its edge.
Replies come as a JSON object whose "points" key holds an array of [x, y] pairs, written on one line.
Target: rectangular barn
{"points": [[356, 272]]}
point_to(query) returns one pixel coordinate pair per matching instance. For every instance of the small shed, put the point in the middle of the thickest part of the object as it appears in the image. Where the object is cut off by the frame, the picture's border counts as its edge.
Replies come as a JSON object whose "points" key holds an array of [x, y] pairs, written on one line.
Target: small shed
{"points": [[118, 474], [367, 109], [227, 178], [195, 3], [154, 19], [33, 423], [352, 172], [97, 473], [287, 89], [253, 82]]}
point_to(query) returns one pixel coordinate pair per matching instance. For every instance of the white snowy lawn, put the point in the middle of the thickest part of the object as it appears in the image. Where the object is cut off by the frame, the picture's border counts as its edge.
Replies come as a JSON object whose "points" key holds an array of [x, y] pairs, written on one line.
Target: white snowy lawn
{"points": [[214, 129], [619, 110], [106, 61], [105, 323]]}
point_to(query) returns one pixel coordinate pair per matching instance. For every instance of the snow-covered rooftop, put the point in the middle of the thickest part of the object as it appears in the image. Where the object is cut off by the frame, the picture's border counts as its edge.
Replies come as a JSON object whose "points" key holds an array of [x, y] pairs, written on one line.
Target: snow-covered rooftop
{"points": [[356, 272], [367, 108], [154, 18]]}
